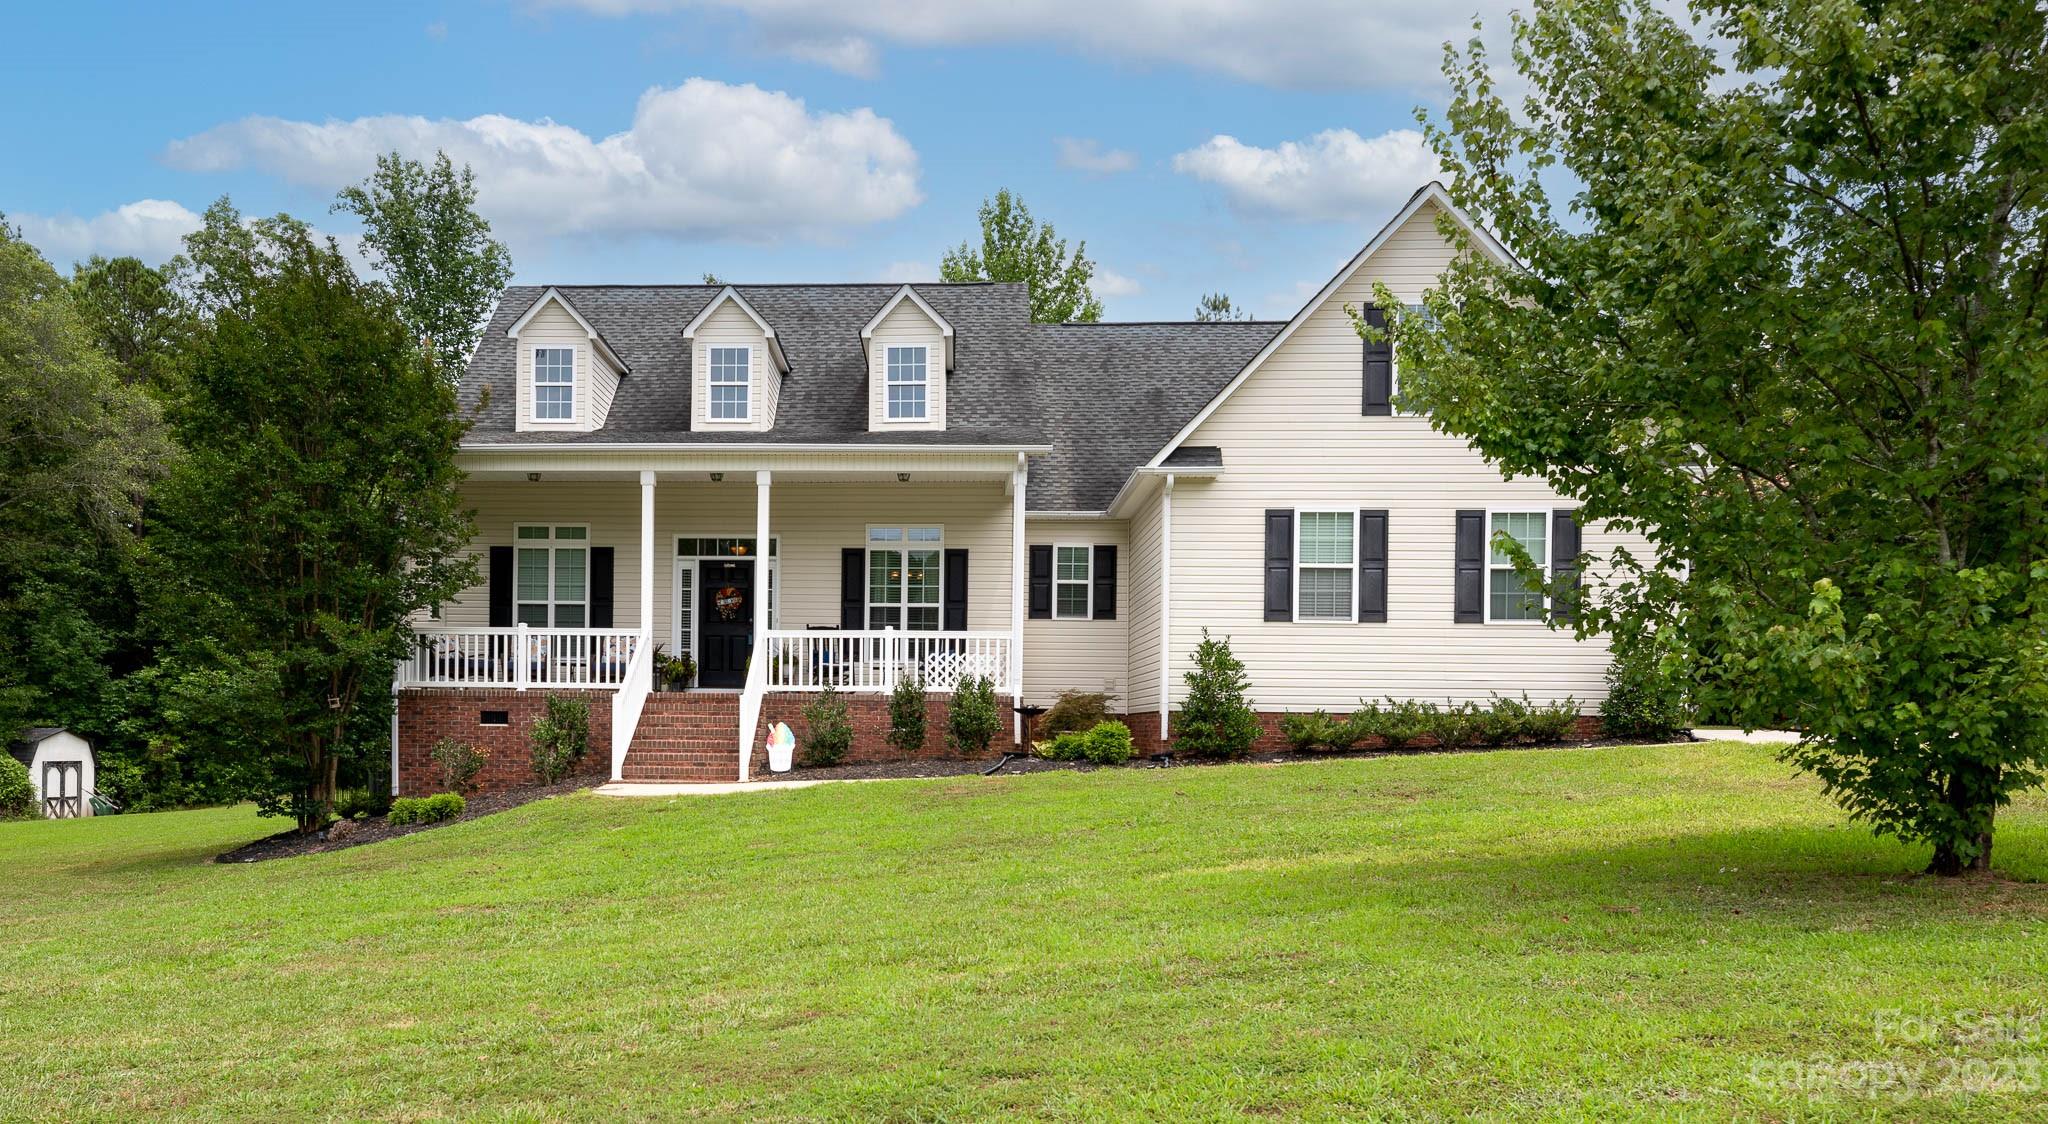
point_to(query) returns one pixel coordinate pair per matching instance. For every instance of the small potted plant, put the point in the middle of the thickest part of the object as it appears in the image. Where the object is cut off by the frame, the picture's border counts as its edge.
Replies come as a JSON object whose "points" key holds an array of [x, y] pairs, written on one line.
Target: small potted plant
{"points": [[672, 673]]}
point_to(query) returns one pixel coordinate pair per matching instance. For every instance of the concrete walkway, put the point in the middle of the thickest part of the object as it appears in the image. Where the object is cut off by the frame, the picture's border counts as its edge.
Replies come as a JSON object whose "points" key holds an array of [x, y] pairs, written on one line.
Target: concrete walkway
{"points": [[1754, 737]]}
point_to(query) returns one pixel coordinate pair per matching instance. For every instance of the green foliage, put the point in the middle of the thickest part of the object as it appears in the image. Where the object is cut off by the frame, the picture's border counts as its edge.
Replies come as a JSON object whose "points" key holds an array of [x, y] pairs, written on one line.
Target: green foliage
{"points": [[17, 792], [1398, 723], [1504, 721], [1791, 331], [1074, 710], [1014, 247], [1215, 307], [560, 736], [360, 803], [1072, 745], [973, 721], [1214, 719], [314, 511], [1454, 725], [135, 314], [426, 809], [421, 231], [1109, 743], [672, 670], [1645, 691], [1553, 722], [460, 762], [1317, 730], [907, 716], [828, 730]]}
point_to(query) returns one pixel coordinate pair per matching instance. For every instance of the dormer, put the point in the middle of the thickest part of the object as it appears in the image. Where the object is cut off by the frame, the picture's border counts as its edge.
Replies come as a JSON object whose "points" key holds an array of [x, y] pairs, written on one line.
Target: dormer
{"points": [[909, 350], [736, 366], [566, 373]]}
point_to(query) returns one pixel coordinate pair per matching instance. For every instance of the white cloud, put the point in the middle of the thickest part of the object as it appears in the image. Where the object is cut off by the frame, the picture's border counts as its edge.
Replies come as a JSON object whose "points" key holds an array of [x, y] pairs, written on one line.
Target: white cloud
{"points": [[1110, 283], [703, 160], [1085, 155], [847, 54], [150, 229], [1335, 174], [1295, 43], [908, 271], [437, 30]]}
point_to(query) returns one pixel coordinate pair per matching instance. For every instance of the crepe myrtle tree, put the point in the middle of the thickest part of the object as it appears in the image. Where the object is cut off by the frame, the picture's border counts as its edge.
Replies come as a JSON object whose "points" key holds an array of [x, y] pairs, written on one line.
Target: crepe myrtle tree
{"points": [[1792, 331]]}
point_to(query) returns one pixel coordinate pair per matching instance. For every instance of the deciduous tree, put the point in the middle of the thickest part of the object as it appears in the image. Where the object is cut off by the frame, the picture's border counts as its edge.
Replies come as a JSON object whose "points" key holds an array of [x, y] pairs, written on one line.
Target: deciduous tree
{"points": [[1015, 247]]}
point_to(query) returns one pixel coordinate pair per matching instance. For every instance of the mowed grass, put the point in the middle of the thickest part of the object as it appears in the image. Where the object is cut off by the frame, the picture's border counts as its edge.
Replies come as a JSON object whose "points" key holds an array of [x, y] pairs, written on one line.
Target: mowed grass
{"points": [[1681, 931]]}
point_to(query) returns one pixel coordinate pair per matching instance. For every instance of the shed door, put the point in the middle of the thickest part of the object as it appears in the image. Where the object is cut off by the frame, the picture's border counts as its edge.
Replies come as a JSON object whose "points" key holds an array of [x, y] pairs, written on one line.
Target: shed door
{"points": [[63, 795]]}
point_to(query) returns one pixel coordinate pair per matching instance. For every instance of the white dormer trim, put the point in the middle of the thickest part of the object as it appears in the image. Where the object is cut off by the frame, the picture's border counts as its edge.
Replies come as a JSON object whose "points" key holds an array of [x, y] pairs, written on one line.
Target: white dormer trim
{"points": [[867, 334], [730, 294], [596, 341], [1431, 192]]}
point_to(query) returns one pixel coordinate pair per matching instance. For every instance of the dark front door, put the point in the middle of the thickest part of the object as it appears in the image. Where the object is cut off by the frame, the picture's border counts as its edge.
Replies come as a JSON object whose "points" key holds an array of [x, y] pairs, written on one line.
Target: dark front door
{"points": [[725, 606]]}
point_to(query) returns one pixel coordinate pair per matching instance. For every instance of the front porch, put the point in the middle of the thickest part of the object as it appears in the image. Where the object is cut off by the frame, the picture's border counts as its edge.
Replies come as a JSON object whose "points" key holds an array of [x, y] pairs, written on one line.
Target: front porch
{"points": [[860, 571]]}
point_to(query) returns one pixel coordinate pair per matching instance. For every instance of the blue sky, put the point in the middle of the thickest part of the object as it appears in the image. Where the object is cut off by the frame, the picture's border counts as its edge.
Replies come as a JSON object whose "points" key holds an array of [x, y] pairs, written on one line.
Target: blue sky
{"points": [[1232, 145]]}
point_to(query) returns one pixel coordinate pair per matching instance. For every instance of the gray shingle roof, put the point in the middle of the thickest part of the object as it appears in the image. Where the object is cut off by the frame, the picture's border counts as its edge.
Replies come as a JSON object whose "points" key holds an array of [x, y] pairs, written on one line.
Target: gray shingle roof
{"points": [[1105, 396]]}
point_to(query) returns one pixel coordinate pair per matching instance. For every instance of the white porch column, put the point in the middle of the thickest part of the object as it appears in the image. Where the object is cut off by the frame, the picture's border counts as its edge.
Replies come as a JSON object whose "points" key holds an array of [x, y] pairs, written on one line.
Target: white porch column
{"points": [[1166, 609], [762, 480], [1018, 566], [646, 556]]}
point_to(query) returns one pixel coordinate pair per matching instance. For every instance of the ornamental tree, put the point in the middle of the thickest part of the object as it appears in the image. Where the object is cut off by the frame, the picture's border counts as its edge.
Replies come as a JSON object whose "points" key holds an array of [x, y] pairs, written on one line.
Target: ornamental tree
{"points": [[1790, 325]]}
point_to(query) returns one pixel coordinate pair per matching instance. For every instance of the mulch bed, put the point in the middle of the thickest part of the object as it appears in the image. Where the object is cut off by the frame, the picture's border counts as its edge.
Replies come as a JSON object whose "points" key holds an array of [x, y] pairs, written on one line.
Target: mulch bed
{"points": [[899, 770], [354, 833]]}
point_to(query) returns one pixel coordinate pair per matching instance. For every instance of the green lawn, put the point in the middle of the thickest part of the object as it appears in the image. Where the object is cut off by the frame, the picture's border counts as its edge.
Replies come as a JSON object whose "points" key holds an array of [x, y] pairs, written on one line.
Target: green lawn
{"points": [[1680, 931]]}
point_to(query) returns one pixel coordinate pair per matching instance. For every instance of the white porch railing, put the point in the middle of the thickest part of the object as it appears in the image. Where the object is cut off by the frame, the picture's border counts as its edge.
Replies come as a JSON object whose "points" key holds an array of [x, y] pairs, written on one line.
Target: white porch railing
{"points": [[521, 657], [874, 661], [627, 703]]}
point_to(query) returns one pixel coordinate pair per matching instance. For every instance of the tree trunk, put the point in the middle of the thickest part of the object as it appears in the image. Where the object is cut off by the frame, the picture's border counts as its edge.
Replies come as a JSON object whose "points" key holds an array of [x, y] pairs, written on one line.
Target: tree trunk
{"points": [[1948, 859]]}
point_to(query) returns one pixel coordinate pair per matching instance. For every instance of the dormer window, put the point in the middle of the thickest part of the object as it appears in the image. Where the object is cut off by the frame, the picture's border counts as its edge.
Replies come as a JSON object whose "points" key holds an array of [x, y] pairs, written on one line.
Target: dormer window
{"points": [[907, 383], [554, 384], [730, 371]]}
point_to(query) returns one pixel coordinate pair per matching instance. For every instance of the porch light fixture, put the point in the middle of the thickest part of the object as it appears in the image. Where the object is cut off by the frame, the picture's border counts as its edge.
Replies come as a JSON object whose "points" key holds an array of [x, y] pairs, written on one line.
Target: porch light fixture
{"points": [[718, 478], [739, 548], [903, 478], [533, 478]]}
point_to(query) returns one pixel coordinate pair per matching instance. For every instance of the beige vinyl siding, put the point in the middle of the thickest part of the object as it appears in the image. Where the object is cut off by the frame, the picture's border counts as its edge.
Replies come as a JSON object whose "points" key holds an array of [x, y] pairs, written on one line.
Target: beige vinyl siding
{"points": [[1292, 436], [813, 521], [907, 326], [1142, 583], [730, 326], [596, 382], [1079, 655]]}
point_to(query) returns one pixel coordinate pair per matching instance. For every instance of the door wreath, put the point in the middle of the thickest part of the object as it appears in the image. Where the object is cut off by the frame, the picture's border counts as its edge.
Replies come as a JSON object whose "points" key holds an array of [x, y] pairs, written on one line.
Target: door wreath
{"points": [[727, 601]]}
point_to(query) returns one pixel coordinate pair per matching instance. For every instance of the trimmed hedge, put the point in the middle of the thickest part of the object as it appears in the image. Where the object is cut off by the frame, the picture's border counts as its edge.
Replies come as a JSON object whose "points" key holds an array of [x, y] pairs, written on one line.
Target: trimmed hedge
{"points": [[426, 809]]}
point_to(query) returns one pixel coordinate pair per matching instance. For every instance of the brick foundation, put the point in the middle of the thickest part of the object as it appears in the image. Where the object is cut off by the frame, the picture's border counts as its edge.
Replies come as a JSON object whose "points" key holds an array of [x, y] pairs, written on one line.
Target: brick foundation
{"points": [[870, 714], [427, 715]]}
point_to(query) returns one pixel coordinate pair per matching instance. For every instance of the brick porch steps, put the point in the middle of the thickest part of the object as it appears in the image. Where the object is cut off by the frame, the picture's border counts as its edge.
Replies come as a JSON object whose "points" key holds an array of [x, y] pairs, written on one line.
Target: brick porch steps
{"points": [[685, 738]]}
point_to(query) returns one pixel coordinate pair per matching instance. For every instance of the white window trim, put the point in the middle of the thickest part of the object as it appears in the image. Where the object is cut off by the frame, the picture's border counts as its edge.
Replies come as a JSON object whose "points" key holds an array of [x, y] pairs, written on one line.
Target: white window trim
{"points": [[1294, 610], [1088, 583], [902, 602], [552, 544], [1394, 360], [1542, 617], [746, 365], [924, 417], [773, 571], [533, 381]]}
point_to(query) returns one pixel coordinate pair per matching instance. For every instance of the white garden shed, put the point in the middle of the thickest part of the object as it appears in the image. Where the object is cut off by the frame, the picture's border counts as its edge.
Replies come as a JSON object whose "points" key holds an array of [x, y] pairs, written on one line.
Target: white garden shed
{"points": [[61, 766]]}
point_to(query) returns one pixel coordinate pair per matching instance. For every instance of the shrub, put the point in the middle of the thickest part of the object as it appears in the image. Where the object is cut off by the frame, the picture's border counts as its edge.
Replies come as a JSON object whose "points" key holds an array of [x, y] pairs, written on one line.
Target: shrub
{"points": [[1074, 711], [1455, 725], [907, 716], [1645, 693], [973, 720], [1215, 720], [1109, 743], [828, 730], [360, 804], [1400, 722], [561, 737], [17, 794], [1315, 730], [1553, 723], [426, 809], [1070, 746], [1502, 722], [460, 763]]}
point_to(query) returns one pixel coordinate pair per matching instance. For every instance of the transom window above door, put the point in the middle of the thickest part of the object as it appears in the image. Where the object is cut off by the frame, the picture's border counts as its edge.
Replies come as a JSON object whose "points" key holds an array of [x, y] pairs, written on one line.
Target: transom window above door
{"points": [[554, 383], [907, 383], [730, 375], [905, 565], [551, 575]]}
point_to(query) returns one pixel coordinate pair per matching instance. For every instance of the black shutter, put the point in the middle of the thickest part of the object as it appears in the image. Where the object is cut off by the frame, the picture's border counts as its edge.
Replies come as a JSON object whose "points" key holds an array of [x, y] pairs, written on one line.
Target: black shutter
{"points": [[853, 579], [956, 592], [1105, 583], [1564, 564], [1379, 368], [501, 587], [1279, 564], [600, 587], [1372, 567], [1041, 583], [1471, 568]]}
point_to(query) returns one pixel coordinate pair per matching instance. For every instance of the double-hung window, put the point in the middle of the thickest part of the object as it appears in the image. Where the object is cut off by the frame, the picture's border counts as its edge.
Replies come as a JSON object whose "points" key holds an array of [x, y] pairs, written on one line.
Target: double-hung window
{"points": [[1510, 596], [554, 384], [1072, 584], [1417, 314], [731, 373], [904, 566], [907, 383], [552, 576], [1325, 565]]}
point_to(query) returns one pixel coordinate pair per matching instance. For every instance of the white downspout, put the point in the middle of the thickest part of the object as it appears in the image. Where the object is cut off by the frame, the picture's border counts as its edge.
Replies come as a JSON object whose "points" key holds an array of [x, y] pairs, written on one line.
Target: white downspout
{"points": [[1165, 609], [1018, 487], [394, 729]]}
